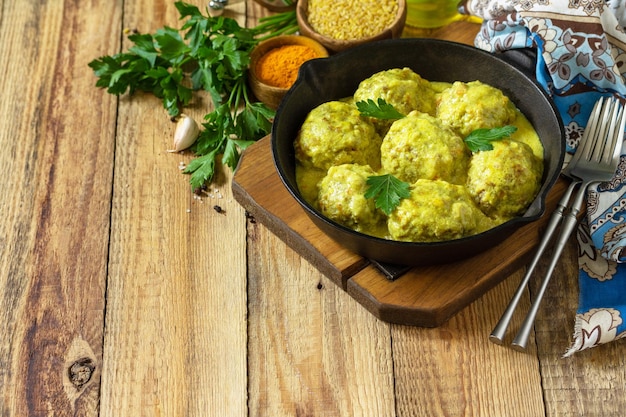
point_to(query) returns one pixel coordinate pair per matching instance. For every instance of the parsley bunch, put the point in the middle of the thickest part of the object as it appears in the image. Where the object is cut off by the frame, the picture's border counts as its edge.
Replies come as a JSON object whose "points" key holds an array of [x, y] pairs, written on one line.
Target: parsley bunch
{"points": [[206, 53]]}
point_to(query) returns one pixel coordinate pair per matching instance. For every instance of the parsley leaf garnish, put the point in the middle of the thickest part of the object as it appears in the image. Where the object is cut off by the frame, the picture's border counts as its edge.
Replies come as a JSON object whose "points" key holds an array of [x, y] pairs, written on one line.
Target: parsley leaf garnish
{"points": [[387, 191], [480, 139], [206, 53], [379, 110]]}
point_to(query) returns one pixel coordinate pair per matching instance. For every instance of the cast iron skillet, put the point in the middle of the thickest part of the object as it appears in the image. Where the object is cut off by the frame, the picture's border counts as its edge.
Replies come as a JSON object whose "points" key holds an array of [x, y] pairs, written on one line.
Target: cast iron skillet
{"points": [[436, 60]]}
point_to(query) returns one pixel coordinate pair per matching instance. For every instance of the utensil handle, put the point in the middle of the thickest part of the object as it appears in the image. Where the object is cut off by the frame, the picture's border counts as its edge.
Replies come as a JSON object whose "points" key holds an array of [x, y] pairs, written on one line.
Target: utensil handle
{"points": [[497, 335], [569, 224]]}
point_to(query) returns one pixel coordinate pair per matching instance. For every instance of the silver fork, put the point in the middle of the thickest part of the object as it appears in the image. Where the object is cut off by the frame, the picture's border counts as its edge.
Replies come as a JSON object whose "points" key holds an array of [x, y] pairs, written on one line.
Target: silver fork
{"points": [[597, 163], [598, 117]]}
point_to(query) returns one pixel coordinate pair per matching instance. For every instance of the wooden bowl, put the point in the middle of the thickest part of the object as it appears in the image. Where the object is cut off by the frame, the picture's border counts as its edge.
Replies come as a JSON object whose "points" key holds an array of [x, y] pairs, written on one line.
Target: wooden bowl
{"points": [[269, 94], [394, 30]]}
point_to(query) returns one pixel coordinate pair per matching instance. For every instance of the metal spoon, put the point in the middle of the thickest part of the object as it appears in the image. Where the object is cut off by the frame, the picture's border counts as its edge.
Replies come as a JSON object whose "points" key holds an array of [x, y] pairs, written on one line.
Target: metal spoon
{"points": [[217, 7]]}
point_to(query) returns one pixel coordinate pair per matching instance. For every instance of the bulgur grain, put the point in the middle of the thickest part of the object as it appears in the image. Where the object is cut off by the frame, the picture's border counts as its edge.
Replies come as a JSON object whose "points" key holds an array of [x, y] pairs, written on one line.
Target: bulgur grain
{"points": [[351, 19]]}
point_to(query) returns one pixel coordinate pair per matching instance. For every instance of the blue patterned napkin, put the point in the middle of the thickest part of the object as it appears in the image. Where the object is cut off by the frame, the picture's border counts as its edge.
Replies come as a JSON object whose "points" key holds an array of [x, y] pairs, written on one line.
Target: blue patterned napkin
{"points": [[580, 47]]}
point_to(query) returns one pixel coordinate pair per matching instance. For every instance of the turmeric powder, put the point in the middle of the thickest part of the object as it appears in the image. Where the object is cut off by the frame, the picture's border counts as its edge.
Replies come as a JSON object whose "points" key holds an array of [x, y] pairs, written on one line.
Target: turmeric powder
{"points": [[279, 67]]}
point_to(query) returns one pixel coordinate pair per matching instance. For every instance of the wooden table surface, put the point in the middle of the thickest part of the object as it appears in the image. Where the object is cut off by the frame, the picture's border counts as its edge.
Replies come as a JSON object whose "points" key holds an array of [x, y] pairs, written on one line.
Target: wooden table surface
{"points": [[123, 295]]}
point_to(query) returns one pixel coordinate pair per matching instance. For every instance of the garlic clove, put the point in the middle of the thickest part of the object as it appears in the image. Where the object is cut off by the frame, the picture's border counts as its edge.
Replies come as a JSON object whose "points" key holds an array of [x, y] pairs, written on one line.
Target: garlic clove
{"points": [[186, 133]]}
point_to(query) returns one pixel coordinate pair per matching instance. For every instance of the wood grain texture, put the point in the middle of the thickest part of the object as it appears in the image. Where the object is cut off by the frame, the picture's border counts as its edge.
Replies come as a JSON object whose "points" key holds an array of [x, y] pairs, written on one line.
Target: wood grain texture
{"points": [[56, 167], [175, 342], [313, 350], [453, 370]]}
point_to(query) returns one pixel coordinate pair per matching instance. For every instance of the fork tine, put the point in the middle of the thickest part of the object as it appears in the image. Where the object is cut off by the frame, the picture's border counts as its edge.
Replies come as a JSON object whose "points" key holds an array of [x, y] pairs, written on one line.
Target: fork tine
{"points": [[604, 149], [619, 136], [595, 128], [601, 127], [585, 144]]}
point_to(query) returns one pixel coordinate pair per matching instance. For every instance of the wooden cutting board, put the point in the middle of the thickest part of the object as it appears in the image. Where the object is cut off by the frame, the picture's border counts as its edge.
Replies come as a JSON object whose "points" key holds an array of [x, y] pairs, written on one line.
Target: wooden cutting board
{"points": [[424, 296]]}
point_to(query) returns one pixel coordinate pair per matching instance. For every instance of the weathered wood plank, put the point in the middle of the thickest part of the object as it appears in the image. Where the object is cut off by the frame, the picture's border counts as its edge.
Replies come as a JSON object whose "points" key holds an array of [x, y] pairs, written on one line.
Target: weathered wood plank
{"points": [[175, 342], [56, 167], [453, 370], [312, 349]]}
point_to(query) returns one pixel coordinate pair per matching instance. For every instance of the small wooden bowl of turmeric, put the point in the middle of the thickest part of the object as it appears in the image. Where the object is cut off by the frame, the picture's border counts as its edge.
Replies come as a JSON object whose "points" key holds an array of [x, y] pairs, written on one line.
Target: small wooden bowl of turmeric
{"points": [[275, 62], [343, 24]]}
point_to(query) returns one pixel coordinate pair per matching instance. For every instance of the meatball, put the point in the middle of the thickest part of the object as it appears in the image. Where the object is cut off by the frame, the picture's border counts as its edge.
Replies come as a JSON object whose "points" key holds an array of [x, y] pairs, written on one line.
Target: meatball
{"points": [[436, 211], [341, 197], [505, 180], [402, 88], [420, 146], [474, 105], [334, 133]]}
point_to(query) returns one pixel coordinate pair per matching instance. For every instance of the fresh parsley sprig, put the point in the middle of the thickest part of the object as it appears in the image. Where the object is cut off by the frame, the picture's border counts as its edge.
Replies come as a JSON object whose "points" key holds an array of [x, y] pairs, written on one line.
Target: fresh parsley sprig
{"points": [[387, 191], [379, 109], [206, 53], [481, 139]]}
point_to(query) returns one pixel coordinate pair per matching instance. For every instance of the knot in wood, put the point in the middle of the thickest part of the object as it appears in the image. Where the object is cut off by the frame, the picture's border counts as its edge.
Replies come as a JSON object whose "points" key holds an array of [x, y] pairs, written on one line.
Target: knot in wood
{"points": [[80, 372]]}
